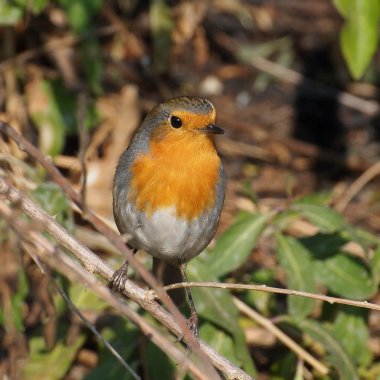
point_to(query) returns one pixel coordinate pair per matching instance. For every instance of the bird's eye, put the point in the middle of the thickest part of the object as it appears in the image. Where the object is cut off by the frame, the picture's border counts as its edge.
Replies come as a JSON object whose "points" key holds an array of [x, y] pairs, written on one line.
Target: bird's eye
{"points": [[176, 122]]}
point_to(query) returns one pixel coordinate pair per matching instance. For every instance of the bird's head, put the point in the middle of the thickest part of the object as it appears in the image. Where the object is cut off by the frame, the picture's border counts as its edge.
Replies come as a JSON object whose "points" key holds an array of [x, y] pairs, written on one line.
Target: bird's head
{"points": [[183, 117]]}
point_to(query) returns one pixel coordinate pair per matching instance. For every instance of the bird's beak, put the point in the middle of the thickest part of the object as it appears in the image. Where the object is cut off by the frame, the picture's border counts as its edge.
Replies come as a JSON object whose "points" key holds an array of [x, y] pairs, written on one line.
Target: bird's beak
{"points": [[212, 128]]}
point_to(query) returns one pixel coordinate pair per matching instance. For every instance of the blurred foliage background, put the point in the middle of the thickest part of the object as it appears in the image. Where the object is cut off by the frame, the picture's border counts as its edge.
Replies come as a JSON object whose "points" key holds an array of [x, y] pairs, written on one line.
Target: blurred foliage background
{"points": [[295, 85]]}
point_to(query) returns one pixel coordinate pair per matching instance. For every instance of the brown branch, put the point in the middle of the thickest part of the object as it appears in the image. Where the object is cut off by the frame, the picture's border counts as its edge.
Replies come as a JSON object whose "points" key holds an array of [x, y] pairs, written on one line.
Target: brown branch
{"points": [[95, 265], [105, 230], [57, 260], [271, 289]]}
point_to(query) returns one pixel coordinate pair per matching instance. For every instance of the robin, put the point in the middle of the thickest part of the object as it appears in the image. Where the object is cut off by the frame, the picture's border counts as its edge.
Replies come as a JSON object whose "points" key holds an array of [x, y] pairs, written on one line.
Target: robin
{"points": [[169, 190]]}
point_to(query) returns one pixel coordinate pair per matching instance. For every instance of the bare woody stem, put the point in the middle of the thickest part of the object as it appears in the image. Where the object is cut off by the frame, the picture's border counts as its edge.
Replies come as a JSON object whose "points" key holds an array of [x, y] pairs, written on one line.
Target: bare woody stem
{"points": [[105, 230], [271, 289], [44, 250], [95, 265]]}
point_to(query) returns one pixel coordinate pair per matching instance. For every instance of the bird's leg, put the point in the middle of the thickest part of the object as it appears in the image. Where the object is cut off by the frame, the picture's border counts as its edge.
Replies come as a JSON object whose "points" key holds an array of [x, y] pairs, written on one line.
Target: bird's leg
{"points": [[193, 320], [120, 276]]}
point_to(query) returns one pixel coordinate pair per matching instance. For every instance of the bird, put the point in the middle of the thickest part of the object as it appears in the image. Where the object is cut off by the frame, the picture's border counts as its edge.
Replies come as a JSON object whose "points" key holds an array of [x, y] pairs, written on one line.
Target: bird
{"points": [[169, 189]]}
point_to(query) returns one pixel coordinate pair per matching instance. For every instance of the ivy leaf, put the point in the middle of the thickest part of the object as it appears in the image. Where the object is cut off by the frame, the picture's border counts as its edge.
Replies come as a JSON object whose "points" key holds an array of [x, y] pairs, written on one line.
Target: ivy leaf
{"points": [[297, 263], [346, 276], [235, 245]]}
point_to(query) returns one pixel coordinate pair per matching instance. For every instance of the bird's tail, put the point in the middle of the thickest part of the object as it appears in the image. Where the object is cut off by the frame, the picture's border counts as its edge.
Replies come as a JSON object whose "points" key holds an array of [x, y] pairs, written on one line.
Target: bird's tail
{"points": [[167, 274]]}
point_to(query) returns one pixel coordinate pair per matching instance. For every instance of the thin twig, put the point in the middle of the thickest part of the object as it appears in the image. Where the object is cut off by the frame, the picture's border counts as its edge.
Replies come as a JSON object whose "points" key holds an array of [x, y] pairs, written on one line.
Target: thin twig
{"points": [[271, 289], [95, 264], [64, 264], [105, 230], [357, 185], [368, 107], [290, 343]]}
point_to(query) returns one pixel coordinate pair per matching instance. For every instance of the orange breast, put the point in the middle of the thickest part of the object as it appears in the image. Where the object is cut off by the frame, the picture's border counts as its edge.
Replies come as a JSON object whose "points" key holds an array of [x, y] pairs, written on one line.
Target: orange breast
{"points": [[179, 171]]}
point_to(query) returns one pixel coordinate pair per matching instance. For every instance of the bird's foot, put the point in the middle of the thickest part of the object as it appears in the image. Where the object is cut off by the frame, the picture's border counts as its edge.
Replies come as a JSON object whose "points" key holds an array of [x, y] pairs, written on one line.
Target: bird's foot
{"points": [[193, 325], [119, 279]]}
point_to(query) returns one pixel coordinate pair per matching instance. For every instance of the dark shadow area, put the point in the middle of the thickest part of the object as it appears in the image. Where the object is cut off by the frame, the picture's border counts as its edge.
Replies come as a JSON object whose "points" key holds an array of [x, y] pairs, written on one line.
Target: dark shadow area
{"points": [[317, 121]]}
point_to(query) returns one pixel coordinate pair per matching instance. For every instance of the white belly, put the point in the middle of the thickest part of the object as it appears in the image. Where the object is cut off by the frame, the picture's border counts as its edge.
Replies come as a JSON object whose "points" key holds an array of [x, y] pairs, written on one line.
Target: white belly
{"points": [[167, 237]]}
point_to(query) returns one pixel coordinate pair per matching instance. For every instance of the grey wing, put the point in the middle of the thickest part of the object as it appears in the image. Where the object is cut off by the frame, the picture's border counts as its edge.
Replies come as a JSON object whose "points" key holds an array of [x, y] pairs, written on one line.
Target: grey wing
{"points": [[220, 190], [121, 183], [122, 177]]}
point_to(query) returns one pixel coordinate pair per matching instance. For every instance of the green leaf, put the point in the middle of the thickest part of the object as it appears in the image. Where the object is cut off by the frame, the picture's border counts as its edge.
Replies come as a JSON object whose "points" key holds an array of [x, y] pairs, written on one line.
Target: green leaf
{"points": [[359, 35], [86, 299], [15, 319], [18, 300], [284, 367], [236, 244], [325, 218], [92, 63], [351, 330], [216, 306], [123, 337], [162, 23], [360, 236], [300, 375], [67, 103], [363, 239], [50, 365], [220, 341], [316, 199], [10, 14], [345, 276], [297, 263], [159, 365], [247, 52], [51, 198], [47, 117], [323, 245], [81, 13], [213, 304], [262, 301], [337, 355], [35, 6]]}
